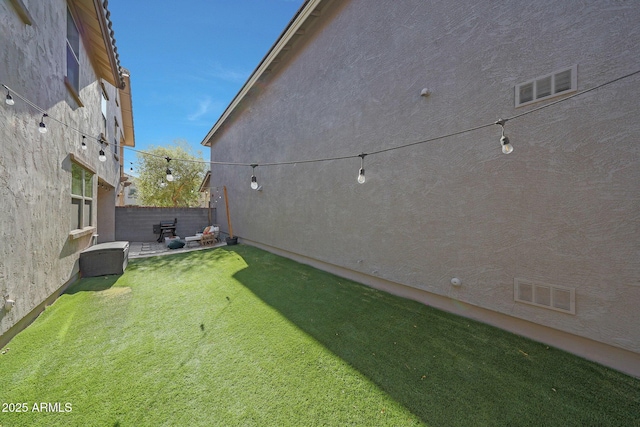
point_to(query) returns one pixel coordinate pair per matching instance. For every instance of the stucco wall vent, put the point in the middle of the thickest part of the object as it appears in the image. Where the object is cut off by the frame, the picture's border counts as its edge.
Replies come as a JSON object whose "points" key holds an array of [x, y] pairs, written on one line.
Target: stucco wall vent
{"points": [[557, 83], [554, 297]]}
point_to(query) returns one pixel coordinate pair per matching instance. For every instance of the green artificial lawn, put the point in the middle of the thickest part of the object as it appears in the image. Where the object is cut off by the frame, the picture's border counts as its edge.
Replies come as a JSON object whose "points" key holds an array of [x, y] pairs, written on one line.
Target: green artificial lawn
{"points": [[239, 336]]}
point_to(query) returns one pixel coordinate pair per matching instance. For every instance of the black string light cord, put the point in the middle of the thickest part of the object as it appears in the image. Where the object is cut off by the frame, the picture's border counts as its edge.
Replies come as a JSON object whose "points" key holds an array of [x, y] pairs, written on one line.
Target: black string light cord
{"points": [[501, 122]]}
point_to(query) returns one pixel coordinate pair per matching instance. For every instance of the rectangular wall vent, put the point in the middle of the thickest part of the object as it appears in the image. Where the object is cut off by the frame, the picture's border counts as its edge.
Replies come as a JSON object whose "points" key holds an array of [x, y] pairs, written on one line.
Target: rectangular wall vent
{"points": [[554, 297], [555, 84]]}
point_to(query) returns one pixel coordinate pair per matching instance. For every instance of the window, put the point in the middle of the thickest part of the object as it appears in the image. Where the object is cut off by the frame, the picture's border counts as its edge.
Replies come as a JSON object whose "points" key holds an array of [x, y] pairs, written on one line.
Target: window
{"points": [[81, 197], [103, 107], [116, 138], [116, 131], [73, 53], [104, 90], [555, 84]]}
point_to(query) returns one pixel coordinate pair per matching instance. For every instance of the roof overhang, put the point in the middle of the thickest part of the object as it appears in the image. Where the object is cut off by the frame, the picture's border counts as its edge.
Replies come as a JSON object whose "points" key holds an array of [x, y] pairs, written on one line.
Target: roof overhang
{"points": [[307, 13], [94, 24], [126, 106], [206, 183]]}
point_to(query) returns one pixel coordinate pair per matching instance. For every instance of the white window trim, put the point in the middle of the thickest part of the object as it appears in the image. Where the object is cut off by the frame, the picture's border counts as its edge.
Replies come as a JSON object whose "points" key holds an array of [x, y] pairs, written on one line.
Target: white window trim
{"points": [[554, 94], [104, 109], [117, 139], [71, 87], [89, 229]]}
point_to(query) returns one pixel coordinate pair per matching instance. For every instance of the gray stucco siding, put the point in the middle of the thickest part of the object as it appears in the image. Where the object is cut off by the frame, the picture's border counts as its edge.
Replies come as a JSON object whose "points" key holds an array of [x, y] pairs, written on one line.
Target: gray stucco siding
{"points": [[39, 255], [561, 209]]}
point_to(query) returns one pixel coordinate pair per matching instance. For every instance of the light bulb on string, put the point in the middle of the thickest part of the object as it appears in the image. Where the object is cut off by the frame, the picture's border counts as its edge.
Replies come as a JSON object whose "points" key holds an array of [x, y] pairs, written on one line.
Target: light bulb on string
{"points": [[361, 178], [84, 145], [506, 146], [102, 156], [9, 100], [169, 174], [42, 128], [254, 180], [504, 140]]}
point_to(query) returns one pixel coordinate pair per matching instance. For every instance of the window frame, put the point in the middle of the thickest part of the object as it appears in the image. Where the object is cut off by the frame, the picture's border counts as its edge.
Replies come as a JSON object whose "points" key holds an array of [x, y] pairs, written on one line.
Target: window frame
{"points": [[87, 224], [116, 139], [72, 79], [104, 109]]}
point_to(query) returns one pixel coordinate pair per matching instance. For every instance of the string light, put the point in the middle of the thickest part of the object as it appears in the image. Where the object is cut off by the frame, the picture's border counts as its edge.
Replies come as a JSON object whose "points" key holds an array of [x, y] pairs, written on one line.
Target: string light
{"points": [[169, 174], [101, 156], [361, 178], [254, 180], [504, 140], [42, 128], [84, 145]]}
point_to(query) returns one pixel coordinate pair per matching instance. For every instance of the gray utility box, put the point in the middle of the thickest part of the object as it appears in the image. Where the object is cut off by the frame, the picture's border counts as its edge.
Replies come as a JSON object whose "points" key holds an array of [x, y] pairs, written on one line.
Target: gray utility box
{"points": [[104, 259]]}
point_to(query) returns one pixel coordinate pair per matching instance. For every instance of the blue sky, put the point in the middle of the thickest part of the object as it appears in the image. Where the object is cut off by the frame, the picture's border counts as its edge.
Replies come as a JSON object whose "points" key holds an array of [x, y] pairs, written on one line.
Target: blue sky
{"points": [[189, 58]]}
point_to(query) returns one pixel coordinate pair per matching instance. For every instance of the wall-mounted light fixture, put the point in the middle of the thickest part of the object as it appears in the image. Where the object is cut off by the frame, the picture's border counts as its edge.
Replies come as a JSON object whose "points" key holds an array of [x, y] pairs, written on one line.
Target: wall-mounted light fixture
{"points": [[8, 304]]}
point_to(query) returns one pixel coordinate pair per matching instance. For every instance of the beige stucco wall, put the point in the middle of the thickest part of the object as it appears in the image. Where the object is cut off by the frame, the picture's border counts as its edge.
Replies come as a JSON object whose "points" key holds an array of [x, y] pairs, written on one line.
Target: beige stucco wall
{"points": [[38, 255], [561, 209]]}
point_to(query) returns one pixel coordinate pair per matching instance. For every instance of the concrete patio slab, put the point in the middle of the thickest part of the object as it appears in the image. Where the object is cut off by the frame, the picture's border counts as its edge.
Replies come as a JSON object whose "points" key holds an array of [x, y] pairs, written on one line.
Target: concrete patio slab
{"points": [[147, 249]]}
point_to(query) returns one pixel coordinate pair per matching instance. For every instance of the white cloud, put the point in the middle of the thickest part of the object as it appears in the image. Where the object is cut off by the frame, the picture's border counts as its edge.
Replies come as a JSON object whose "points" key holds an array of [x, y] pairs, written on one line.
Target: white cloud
{"points": [[217, 71], [204, 106]]}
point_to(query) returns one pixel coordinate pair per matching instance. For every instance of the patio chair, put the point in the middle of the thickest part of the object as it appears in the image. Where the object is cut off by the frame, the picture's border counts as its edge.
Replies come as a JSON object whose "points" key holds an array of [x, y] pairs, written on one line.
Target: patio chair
{"points": [[210, 235]]}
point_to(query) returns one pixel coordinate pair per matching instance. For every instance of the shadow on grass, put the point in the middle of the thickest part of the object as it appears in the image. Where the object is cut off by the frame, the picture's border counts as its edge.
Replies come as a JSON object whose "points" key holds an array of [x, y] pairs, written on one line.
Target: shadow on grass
{"points": [[93, 284], [181, 262], [445, 369]]}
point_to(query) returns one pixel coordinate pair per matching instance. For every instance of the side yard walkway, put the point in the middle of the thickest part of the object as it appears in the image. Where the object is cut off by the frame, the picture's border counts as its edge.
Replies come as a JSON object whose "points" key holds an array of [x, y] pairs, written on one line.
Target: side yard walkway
{"points": [[147, 249]]}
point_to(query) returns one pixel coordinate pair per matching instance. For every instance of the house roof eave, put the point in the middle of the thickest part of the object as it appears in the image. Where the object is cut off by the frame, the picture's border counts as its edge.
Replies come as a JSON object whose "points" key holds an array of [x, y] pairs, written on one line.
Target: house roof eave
{"points": [[98, 36], [307, 12], [126, 106], [206, 182]]}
